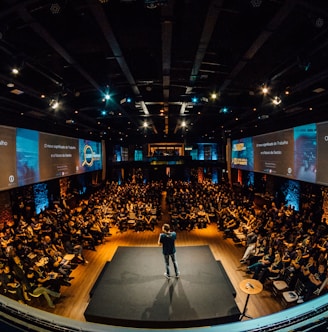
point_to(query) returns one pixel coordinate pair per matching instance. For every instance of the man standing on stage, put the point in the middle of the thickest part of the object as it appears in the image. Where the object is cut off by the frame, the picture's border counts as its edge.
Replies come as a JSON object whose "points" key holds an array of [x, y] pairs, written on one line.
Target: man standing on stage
{"points": [[167, 240]]}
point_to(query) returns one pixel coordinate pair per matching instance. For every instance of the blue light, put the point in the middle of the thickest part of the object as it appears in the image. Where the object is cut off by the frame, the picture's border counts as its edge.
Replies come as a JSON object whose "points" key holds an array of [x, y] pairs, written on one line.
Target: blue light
{"points": [[194, 99], [128, 100], [103, 112], [107, 96]]}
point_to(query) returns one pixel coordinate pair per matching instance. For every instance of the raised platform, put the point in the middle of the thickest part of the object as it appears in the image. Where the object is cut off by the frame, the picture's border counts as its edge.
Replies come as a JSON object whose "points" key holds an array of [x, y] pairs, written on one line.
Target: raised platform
{"points": [[132, 290]]}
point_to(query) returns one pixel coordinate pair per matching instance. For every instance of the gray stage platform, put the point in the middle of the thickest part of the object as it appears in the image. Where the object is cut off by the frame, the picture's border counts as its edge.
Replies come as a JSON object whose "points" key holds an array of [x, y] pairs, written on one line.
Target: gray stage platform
{"points": [[132, 290]]}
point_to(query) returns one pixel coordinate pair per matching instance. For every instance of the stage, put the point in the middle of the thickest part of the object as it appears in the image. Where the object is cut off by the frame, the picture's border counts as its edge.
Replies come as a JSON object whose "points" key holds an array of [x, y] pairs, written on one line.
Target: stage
{"points": [[132, 290]]}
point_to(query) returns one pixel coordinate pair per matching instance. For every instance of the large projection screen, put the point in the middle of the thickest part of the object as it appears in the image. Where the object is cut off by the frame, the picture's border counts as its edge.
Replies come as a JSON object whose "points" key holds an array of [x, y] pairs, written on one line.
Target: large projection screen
{"points": [[8, 178], [30, 156], [273, 153], [322, 160]]}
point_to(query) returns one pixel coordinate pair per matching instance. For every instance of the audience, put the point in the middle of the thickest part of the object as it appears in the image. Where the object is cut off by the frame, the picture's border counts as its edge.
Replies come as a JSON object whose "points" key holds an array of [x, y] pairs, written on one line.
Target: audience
{"points": [[38, 254]]}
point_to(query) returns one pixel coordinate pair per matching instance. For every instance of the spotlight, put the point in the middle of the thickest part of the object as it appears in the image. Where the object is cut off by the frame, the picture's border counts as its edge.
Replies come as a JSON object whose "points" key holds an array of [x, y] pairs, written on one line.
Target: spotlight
{"points": [[276, 100], [107, 96], [194, 100], [15, 71], [126, 100], [55, 8], [265, 90], [53, 104], [214, 96], [319, 22], [256, 3]]}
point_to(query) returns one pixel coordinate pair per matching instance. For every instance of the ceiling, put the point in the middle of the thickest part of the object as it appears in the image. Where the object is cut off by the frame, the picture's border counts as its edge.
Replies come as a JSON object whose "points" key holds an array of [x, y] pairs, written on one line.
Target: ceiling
{"points": [[160, 61]]}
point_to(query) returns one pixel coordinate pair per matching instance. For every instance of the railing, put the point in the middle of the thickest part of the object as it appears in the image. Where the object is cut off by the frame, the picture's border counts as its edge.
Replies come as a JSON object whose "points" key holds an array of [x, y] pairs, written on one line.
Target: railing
{"points": [[26, 318]]}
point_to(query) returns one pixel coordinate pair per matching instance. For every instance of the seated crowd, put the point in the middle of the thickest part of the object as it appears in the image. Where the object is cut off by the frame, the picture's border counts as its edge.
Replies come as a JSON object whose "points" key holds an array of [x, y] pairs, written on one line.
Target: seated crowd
{"points": [[284, 244], [38, 254], [279, 241]]}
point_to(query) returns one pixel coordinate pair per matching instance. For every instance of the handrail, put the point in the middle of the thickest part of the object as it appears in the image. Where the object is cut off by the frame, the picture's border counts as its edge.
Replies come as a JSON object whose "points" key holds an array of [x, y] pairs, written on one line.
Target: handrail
{"points": [[32, 319]]}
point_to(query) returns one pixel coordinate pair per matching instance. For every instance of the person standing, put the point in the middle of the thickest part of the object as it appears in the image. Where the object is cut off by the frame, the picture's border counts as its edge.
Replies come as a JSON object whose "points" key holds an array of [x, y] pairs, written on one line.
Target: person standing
{"points": [[167, 241]]}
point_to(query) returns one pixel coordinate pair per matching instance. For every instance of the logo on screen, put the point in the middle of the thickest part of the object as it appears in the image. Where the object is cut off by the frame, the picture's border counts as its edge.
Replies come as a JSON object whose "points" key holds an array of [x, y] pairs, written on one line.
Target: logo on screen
{"points": [[88, 156]]}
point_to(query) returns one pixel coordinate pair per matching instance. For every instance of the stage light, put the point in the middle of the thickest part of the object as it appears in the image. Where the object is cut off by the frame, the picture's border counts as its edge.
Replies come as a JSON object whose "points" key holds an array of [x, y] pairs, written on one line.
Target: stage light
{"points": [[319, 22], [107, 96], [55, 8], [145, 124], [103, 112], [214, 96], [126, 100], [224, 110], [194, 100], [256, 3], [276, 100], [265, 90], [15, 71], [53, 104]]}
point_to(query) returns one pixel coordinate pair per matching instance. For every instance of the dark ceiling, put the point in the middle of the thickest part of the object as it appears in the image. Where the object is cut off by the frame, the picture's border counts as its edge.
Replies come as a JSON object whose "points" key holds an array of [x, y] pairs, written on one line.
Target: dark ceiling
{"points": [[153, 57]]}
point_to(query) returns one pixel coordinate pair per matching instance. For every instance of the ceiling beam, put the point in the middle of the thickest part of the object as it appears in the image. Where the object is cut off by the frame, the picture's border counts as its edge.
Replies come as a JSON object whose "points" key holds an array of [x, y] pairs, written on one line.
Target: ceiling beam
{"points": [[210, 22], [101, 18], [263, 37], [167, 27]]}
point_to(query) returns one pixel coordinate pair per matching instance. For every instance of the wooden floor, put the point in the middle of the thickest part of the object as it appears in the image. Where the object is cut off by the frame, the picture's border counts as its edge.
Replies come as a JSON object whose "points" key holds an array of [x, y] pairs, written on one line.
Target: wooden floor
{"points": [[75, 298]]}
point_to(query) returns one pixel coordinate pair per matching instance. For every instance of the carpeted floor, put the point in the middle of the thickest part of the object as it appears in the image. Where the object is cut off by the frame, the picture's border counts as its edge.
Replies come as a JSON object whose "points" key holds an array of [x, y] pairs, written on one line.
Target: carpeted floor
{"points": [[132, 290]]}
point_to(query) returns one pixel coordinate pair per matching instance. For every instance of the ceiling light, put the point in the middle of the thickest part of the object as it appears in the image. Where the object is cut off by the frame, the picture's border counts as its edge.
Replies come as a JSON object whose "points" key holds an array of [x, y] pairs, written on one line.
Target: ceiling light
{"points": [[17, 92], [318, 90], [265, 90], [319, 22], [256, 3], [276, 100], [53, 104], [55, 8], [10, 85], [263, 117], [15, 71]]}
